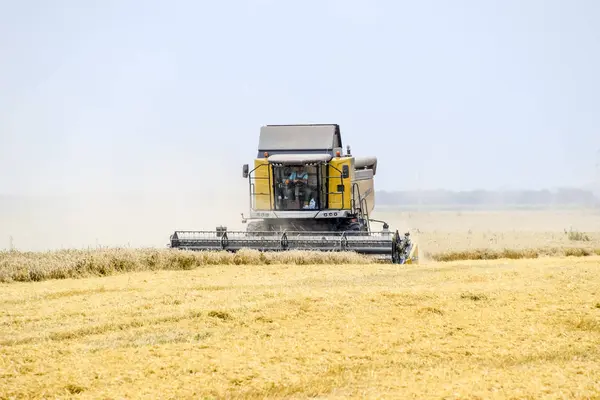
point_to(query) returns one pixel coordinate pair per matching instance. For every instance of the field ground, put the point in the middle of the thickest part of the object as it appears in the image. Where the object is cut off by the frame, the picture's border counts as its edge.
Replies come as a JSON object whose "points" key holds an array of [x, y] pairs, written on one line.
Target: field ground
{"points": [[441, 231], [543, 220], [504, 328], [477, 329]]}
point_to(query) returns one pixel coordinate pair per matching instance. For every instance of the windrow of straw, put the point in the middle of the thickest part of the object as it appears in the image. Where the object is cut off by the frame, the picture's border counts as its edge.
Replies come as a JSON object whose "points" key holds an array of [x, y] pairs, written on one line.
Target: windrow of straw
{"points": [[39, 266], [514, 254]]}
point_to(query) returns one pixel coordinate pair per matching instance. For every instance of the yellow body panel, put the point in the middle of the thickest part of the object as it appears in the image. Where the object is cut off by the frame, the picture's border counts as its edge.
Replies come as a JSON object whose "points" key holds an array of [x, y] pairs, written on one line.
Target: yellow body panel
{"points": [[262, 180], [339, 201]]}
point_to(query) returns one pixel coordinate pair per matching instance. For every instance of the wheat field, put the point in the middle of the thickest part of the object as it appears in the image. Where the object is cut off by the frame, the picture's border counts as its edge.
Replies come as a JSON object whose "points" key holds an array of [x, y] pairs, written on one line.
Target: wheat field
{"points": [[477, 329], [150, 324]]}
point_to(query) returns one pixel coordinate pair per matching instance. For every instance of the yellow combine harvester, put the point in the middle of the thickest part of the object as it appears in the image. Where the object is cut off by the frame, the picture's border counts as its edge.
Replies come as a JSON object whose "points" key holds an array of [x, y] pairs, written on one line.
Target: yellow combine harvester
{"points": [[305, 193]]}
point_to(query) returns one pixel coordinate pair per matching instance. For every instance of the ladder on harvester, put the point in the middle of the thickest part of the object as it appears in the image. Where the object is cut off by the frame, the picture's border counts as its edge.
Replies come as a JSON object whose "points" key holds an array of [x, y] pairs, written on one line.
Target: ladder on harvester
{"points": [[361, 209]]}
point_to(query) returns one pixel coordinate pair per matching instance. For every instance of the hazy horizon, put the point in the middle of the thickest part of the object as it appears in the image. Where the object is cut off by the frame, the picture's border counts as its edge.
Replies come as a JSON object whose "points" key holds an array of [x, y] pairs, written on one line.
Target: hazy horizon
{"points": [[167, 99]]}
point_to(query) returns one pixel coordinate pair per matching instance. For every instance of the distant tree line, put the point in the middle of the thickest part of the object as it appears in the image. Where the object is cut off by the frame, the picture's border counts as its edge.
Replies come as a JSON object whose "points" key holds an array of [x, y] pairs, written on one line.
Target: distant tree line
{"points": [[559, 197]]}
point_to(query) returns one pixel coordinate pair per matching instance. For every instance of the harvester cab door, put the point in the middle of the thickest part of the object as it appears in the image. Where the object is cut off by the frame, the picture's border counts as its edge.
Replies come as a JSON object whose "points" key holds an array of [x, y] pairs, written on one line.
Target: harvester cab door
{"points": [[281, 174]]}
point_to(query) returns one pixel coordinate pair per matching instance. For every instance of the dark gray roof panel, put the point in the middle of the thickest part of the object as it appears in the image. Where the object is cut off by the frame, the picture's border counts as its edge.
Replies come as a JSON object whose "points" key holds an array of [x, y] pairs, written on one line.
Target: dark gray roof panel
{"points": [[299, 137]]}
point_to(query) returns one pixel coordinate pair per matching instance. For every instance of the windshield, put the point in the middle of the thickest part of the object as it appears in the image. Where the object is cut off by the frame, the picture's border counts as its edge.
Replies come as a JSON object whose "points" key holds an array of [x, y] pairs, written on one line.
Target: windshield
{"points": [[297, 187]]}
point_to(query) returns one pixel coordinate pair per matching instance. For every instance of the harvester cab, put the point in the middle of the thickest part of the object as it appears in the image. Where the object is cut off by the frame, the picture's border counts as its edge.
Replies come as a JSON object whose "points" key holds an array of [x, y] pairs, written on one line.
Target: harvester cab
{"points": [[305, 193]]}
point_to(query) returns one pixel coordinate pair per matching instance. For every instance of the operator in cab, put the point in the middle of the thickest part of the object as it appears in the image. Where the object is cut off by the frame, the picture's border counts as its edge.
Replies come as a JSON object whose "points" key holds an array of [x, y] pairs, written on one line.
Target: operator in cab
{"points": [[297, 181]]}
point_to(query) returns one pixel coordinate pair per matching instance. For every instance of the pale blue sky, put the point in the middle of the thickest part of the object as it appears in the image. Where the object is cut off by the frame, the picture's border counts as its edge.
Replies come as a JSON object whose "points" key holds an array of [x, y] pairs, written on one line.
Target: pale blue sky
{"points": [[94, 92]]}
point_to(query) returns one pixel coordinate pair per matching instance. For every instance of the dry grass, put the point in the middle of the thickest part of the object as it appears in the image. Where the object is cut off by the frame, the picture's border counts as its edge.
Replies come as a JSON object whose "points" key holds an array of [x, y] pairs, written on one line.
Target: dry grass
{"points": [[40, 266], [478, 329], [513, 254], [578, 236], [442, 231]]}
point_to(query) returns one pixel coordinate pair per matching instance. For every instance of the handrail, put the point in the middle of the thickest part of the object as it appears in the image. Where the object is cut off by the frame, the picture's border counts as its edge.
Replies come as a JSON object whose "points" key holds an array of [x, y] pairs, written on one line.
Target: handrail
{"points": [[356, 188], [366, 213], [252, 187], [362, 203]]}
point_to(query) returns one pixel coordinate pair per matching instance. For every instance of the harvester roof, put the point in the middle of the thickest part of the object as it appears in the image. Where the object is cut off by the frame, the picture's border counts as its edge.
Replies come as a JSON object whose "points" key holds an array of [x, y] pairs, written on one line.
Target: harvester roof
{"points": [[299, 139]]}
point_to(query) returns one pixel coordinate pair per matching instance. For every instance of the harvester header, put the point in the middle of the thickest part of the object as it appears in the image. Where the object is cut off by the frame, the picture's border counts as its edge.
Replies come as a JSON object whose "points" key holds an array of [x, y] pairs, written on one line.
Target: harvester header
{"points": [[305, 193]]}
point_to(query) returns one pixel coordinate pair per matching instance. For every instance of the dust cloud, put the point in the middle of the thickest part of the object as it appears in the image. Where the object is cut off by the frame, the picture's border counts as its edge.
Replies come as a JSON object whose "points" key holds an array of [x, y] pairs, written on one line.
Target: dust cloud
{"points": [[143, 217]]}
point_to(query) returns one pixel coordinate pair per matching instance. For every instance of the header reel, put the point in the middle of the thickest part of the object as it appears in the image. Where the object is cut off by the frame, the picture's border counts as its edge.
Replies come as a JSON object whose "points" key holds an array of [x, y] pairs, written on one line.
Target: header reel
{"points": [[398, 248]]}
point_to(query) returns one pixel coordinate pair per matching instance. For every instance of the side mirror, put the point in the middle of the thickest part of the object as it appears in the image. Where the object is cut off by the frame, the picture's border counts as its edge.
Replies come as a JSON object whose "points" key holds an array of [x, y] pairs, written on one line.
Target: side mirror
{"points": [[345, 171], [245, 171]]}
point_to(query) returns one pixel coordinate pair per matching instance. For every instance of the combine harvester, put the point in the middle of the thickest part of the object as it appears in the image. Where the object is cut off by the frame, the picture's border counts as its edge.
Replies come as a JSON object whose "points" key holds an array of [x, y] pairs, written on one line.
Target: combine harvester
{"points": [[305, 194]]}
